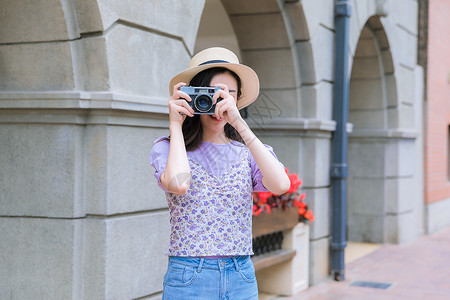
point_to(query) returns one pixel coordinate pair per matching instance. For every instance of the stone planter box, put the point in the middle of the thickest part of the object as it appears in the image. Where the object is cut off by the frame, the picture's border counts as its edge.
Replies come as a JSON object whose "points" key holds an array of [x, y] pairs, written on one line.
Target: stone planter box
{"points": [[284, 271]]}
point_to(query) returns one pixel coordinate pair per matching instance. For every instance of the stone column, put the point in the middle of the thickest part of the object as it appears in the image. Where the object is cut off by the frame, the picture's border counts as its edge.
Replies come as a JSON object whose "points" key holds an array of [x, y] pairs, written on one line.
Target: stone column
{"points": [[83, 91]]}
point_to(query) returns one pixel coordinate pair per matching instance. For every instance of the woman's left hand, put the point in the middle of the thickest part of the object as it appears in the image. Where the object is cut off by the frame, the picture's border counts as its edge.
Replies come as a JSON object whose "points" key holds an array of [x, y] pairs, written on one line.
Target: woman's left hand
{"points": [[226, 108]]}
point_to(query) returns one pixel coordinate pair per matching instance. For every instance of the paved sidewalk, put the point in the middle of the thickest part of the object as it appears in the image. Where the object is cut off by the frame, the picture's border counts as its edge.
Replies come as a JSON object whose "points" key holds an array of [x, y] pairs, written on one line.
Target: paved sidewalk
{"points": [[417, 270]]}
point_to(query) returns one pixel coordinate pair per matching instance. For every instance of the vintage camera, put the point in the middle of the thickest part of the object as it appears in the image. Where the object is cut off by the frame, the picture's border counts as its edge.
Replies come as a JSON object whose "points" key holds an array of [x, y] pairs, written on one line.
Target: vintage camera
{"points": [[202, 99]]}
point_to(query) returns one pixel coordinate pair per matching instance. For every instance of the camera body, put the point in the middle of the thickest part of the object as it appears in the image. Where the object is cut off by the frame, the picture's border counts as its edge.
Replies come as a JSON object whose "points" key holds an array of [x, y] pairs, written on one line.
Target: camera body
{"points": [[202, 99]]}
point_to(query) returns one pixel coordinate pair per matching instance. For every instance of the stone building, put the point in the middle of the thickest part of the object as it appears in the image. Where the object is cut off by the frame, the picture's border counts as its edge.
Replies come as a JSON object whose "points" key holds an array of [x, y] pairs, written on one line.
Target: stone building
{"points": [[83, 94]]}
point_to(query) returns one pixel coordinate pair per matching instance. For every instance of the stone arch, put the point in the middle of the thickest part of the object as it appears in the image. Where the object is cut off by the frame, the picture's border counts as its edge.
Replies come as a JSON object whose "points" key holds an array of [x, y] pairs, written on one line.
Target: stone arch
{"points": [[265, 39], [372, 82], [372, 106]]}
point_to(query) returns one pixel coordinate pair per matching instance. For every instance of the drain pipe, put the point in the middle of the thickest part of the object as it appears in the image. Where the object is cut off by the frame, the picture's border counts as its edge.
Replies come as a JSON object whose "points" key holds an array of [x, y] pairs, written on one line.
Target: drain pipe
{"points": [[339, 168]]}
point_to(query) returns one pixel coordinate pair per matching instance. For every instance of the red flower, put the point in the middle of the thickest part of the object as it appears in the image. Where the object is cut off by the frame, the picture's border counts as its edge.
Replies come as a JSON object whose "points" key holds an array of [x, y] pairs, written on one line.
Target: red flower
{"points": [[309, 215], [298, 203], [295, 183], [266, 201], [301, 211], [263, 196]]}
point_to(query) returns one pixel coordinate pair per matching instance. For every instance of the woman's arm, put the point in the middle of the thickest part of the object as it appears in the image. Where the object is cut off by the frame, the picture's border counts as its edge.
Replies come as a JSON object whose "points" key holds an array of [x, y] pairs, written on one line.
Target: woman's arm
{"points": [[274, 177], [176, 177]]}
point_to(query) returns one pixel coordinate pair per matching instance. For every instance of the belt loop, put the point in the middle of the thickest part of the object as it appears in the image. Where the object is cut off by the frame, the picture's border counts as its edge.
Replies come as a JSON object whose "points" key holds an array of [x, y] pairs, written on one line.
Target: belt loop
{"points": [[236, 264], [200, 265]]}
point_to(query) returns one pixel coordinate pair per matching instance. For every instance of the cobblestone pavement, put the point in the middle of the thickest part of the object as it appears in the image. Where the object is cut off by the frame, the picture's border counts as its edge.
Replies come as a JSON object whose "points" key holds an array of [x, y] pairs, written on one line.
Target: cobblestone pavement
{"points": [[416, 270]]}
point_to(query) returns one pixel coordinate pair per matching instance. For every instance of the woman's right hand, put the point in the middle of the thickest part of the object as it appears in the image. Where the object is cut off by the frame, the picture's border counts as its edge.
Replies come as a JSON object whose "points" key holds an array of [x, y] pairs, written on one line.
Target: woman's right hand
{"points": [[178, 107]]}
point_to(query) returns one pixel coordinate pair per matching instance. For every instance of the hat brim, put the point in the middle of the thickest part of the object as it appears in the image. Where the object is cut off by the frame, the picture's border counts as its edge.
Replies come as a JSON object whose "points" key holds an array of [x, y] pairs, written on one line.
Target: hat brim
{"points": [[249, 80]]}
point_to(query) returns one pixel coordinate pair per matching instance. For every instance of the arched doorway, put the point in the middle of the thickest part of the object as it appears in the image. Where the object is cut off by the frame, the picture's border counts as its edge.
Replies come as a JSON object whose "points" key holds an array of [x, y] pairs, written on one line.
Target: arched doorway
{"points": [[215, 29], [261, 37], [372, 111]]}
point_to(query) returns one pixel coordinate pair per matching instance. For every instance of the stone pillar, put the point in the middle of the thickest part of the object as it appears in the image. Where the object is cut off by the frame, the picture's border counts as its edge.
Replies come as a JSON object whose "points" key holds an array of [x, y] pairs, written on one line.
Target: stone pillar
{"points": [[83, 91]]}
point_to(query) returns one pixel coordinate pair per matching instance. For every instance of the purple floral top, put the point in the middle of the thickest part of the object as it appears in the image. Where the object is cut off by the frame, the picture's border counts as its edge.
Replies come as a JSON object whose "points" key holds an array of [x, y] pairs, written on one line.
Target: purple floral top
{"points": [[214, 217]]}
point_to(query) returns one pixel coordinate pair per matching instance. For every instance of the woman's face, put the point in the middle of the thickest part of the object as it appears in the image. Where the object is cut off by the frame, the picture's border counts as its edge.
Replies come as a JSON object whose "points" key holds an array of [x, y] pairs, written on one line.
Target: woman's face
{"points": [[209, 122]]}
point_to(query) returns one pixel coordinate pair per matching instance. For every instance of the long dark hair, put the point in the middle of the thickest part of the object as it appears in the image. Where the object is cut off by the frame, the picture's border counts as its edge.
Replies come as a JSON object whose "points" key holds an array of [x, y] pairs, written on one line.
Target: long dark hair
{"points": [[192, 127]]}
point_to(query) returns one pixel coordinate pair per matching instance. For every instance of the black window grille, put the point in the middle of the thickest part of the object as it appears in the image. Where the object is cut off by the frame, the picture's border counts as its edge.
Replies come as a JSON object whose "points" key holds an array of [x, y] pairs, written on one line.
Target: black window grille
{"points": [[267, 243]]}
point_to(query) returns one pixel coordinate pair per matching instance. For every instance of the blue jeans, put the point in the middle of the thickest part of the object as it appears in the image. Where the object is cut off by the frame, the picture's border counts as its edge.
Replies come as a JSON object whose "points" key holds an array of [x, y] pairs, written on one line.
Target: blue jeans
{"points": [[203, 278]]}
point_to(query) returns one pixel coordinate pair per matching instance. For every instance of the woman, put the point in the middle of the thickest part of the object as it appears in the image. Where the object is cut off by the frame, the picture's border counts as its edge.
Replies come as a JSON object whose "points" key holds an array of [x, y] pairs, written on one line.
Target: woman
{"points": [[209, 168]]}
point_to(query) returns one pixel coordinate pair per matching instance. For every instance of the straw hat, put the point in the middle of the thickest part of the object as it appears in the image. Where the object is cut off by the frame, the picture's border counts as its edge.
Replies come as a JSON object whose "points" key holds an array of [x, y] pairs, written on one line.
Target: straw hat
{"points": [[221, 57]]}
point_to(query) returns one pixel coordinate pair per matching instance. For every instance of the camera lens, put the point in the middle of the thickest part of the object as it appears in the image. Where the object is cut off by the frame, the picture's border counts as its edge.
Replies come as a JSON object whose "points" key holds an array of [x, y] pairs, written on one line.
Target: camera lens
{"points": [[203, 103]]}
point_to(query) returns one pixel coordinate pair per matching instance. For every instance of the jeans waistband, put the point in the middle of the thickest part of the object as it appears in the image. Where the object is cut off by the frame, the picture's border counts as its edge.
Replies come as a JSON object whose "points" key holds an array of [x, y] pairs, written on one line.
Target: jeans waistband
{"points": [[210, 263]]}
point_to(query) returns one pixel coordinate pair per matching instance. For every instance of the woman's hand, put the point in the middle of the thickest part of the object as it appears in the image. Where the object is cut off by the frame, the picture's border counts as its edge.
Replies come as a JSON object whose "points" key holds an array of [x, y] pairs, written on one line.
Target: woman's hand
{"points": [[178, 107], [226, 108]]}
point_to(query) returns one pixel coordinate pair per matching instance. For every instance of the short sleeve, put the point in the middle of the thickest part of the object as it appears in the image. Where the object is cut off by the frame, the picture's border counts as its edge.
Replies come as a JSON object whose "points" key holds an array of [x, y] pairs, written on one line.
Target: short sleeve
{"points": [[256, 173], [158, 158]]}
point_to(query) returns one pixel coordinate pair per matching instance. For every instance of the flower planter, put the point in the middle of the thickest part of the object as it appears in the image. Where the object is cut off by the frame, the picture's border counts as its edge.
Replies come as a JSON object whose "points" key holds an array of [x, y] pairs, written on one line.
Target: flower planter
{"points": [[277, 220], [281, 243], [292, 275]]}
